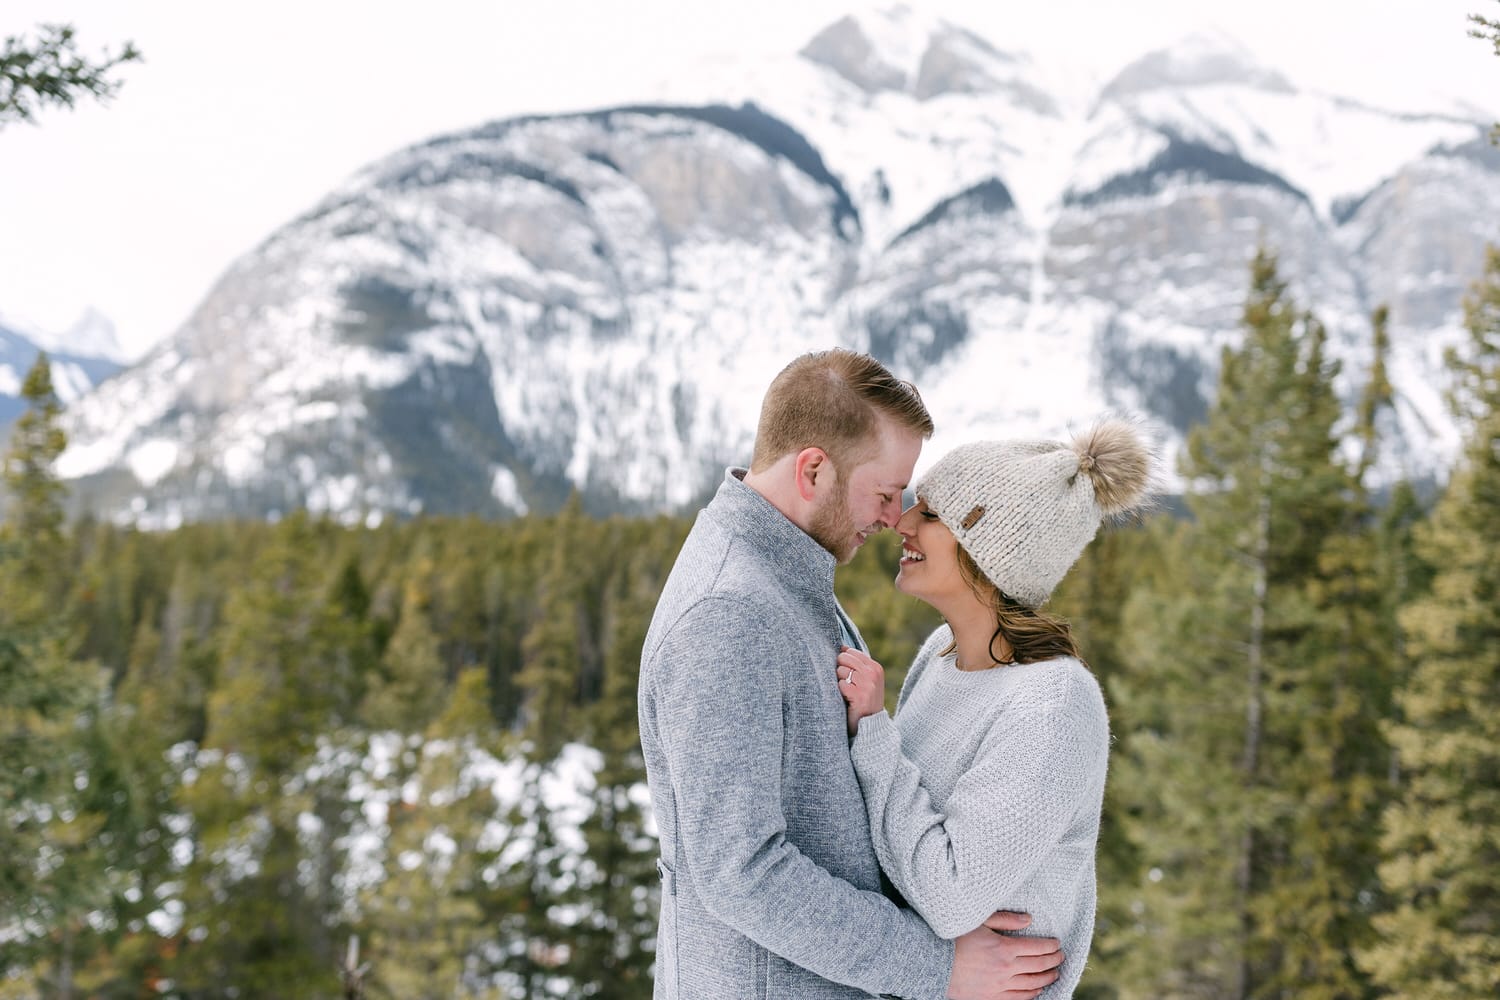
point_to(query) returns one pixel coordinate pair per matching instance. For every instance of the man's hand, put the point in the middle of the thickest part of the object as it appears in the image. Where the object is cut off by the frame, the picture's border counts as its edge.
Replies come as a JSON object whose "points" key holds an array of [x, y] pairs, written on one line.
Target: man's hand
{"points": [[862, 683], [988, 965]]}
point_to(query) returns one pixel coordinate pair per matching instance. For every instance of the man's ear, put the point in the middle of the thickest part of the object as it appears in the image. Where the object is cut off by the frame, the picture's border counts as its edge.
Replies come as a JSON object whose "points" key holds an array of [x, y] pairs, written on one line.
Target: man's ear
{"points": [[812, 464]]}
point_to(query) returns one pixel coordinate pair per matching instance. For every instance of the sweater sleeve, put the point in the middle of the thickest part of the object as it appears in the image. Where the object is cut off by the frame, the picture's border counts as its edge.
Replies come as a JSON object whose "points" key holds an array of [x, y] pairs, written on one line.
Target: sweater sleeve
{"points": [[719, 697], [1006, 813]]}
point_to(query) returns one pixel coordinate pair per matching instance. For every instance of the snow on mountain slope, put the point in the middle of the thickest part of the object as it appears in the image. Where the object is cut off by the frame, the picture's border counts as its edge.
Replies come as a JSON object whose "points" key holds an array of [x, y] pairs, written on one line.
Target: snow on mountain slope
{"points": [[492, 319], [917, 137], [595, 302], [1326, 147], [1201, 113]]}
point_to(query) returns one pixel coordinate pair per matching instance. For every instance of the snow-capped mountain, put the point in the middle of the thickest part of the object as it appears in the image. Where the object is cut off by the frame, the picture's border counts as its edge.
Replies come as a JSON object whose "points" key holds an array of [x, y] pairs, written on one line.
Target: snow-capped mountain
{"points": [[595, 301], [80, 358]]}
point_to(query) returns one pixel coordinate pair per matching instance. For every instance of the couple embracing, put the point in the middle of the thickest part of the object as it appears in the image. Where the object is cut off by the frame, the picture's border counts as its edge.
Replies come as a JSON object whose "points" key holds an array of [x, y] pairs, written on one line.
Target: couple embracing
{"points": [[812, 845]]}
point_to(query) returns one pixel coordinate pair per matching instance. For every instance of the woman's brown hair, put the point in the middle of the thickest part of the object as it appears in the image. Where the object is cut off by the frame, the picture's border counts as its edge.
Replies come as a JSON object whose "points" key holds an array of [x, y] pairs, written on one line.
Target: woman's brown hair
{"points": [[1033, 634]]}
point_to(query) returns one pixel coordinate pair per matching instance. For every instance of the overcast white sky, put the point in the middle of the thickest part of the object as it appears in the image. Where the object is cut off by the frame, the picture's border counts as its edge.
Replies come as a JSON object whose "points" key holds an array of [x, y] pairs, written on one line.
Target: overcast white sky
{"points": [[245, 114]]}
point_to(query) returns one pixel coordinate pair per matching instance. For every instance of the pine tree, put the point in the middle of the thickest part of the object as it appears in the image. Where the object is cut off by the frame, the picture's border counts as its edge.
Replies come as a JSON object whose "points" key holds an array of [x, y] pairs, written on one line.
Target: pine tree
{"points": [[613, 891], [49, 875], [1340, 772], [412, 687], [557, 645], [163, 698], [531, 947], [1093, 599], [49, 70], [260, 900], [33, 534], [1441, 937], [1488, 30], [1221, 692], [426, 925], [130, 789], [351, 635]]}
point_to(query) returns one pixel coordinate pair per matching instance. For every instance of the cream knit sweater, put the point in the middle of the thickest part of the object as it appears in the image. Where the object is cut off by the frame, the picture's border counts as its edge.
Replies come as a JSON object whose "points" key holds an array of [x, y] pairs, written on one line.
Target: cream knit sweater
{"points": [[984, 794]]}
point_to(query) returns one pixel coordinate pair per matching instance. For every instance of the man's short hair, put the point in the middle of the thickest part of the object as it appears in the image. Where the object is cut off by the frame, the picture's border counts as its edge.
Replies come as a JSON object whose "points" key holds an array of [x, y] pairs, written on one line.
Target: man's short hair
{"points": [[833, 400]]}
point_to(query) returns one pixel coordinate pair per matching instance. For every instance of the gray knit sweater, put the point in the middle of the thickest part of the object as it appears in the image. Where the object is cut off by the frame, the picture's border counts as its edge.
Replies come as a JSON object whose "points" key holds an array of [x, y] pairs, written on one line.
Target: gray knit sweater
{"points": [[770, 886], [984, 794]]}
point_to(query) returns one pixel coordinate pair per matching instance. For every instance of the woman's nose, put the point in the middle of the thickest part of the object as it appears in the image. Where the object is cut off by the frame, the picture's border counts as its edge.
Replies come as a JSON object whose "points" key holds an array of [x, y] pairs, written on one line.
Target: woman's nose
{"points": [[906, 523]]}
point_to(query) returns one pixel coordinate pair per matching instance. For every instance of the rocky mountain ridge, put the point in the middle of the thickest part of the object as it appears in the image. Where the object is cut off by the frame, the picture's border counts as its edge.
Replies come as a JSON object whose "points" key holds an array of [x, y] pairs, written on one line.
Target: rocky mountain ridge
{"points": [[492, 319]]}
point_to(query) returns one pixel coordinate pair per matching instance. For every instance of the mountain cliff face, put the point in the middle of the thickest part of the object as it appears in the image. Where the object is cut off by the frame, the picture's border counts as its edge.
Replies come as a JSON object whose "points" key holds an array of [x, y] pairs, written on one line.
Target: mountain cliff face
{"points": [[595, 302]]}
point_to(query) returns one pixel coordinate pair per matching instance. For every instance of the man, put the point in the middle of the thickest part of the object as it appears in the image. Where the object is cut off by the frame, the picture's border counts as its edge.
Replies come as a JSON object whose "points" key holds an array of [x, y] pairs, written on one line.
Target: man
{"points": [[770, 887]]}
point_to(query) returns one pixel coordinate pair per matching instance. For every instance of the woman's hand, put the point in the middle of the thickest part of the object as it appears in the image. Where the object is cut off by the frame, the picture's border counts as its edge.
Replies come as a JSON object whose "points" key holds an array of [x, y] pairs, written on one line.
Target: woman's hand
{"points": [[862, 683]]}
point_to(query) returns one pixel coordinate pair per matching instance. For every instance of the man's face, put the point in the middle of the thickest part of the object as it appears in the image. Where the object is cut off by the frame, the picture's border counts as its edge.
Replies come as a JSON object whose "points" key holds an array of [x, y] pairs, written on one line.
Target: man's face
{"points": [[868, 497]]}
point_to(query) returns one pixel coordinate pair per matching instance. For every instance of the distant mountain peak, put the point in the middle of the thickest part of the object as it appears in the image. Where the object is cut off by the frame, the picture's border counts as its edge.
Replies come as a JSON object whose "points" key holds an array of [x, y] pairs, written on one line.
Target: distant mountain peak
{"points": [[900, 50], [79, 360], [1199, 59], [92, 335], [874, 50]]}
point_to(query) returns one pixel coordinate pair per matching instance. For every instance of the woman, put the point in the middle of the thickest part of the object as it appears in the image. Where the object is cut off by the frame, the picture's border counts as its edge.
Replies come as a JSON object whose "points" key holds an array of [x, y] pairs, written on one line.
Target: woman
{"points": [[984, 792]]}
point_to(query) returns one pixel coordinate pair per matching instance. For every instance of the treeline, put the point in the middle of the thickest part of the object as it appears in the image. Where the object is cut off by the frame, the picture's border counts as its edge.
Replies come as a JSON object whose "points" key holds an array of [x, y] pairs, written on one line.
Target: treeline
{"points": [[303, 760], [245, 745]]}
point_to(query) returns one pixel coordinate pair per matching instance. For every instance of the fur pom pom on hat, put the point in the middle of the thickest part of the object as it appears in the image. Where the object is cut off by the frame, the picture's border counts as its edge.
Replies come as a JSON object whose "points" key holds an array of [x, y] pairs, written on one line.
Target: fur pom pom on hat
{"points": [[1024, 510]]}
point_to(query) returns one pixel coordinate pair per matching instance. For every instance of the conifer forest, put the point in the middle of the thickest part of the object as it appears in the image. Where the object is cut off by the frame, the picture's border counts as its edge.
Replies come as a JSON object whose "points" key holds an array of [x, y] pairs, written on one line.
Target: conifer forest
{"points": [[298, 759]]}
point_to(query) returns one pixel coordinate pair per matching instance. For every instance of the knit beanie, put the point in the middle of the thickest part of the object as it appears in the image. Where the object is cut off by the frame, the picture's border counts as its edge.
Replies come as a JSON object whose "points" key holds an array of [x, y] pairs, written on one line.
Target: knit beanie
{"points": [[1024, 510]]}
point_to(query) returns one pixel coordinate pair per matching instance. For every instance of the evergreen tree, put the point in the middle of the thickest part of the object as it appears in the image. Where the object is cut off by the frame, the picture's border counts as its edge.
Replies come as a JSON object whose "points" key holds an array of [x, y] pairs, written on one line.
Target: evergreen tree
{"points": [[159, 691], [424, 917], [1225, 690], [1342, 768], [1488, 30], [50, 878], [129, 857], [614, 893], [262, 908], [1441, 937], [33, 583], [49, 71], [531, 946], [1093, 599], [557, 645], [499, 617], [353, 637], [412, 686]]}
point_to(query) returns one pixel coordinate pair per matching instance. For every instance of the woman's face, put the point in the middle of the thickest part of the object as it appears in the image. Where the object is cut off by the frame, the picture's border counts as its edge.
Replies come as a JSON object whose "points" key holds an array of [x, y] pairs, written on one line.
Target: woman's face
{"points": [[929, 559]]}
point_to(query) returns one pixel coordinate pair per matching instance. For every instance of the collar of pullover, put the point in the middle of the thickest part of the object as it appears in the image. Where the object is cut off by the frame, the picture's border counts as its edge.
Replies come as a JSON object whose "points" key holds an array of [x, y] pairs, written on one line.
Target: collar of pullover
{"points": [[803, 563]]}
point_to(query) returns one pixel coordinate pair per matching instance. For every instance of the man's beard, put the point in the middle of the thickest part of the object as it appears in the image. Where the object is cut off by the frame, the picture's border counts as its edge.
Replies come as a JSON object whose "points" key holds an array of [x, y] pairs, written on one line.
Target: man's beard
{"points": [[832, 526]]}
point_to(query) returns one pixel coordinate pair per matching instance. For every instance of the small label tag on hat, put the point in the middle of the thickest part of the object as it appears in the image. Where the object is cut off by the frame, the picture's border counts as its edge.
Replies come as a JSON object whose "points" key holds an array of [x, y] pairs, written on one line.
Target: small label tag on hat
{"points": [[972, 518]]}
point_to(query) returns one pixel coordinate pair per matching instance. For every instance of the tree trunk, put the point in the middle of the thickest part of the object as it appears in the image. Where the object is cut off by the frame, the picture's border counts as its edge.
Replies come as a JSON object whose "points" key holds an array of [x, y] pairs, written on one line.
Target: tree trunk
{"points": [[1250, 758]]}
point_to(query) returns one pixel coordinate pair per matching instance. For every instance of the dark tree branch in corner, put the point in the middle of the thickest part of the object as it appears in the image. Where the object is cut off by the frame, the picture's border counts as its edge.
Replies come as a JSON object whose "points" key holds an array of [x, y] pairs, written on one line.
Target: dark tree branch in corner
{"points": [[50, 71], [1487, 30]]}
